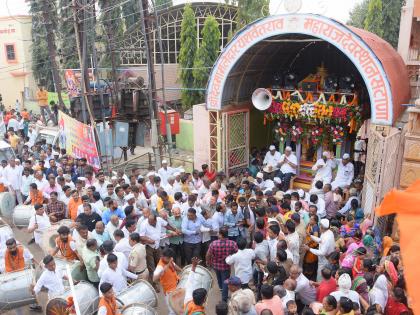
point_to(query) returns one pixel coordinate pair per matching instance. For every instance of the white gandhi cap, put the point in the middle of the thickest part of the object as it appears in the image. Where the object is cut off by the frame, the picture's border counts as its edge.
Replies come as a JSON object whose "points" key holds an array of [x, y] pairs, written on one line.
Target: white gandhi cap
{"points": [[346, 156], [325, 223], [272, 147]]}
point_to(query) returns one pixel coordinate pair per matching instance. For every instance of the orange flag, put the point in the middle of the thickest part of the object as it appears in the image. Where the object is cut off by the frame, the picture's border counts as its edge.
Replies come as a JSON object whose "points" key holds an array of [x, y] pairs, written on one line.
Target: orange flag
{"points": [[406, 204]]}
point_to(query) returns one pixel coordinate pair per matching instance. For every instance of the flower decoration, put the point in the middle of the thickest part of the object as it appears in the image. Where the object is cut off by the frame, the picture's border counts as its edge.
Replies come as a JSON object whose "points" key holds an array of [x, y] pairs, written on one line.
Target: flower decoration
{"points": [[337, 133], [317, 135]]}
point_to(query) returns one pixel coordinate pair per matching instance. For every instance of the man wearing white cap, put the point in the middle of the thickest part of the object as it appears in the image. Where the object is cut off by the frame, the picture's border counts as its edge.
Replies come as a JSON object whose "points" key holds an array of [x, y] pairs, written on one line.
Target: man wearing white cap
{"points": [[272, 158], [259, 180], [150, 184], [323, 168], [288, 165], [165, 171], [326, 246], [345, 172]]}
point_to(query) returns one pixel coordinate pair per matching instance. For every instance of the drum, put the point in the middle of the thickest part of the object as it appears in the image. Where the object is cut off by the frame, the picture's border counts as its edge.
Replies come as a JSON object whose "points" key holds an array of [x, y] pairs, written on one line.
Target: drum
{"points": [[204, 279], [22, 214], [139, 292], [77, 273], [50, 234], [7, 204], [6, 232], [61, 264], [86, 295], [138, 309], [14, 289]]}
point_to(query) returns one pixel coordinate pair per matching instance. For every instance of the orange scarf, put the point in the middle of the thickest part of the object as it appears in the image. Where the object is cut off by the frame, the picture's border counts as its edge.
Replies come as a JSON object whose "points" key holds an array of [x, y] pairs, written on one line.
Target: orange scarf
{"points": [[65, 248], [110, 304], [14, 263]]}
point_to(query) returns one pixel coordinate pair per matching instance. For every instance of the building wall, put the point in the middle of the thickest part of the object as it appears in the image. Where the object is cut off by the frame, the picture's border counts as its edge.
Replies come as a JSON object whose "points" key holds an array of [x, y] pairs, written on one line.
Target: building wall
{"points": [[185, 138], [15, 75]]}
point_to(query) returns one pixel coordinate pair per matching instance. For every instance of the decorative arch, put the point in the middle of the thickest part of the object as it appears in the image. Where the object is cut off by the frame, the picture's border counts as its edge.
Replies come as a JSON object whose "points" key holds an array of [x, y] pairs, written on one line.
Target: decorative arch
{"points": [[342, 37]]}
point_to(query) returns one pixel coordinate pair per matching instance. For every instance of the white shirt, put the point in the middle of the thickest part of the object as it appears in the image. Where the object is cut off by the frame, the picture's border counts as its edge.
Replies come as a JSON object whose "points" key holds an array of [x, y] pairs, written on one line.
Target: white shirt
{"points": [[345, 174], [101, 188], [111, 229], [307, 293], [272, 245], [117, 277], [320, 205], [324, 173], [359, 145], [5, 234], [51, 280], [41, 184], [124, 247], [153, 232], [326, 245], [169, 189], [13, 123], [94, 209], [24, 185], [13, 176], [202, 191], [286, 168], [164, 174], [352, 295], [242, 264], [103, 264], [272, 160], [43, 224], [293, 244]]}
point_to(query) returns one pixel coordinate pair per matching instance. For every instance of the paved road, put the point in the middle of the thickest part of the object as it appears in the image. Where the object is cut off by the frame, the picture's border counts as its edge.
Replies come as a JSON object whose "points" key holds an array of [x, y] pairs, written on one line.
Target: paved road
{"points": [[24, 237]]}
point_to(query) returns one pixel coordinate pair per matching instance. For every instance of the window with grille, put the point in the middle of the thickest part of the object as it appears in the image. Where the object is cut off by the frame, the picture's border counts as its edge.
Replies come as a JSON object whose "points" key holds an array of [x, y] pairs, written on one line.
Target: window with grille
{"points": [[10, 53]]}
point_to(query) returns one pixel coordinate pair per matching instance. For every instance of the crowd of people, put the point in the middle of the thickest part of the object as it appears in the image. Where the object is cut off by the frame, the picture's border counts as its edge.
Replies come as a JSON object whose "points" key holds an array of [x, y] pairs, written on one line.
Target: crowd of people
{"points": [[273, 250]]}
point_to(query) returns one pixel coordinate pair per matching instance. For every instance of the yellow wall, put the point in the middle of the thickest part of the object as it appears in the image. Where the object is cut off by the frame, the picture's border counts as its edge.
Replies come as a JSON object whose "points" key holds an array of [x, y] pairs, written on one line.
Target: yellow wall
{"points": [[15, 76]]}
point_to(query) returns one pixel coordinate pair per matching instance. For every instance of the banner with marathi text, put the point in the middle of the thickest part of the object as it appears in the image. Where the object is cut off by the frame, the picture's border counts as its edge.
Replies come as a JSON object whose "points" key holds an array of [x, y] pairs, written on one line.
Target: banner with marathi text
{"points": [[78, 139]]}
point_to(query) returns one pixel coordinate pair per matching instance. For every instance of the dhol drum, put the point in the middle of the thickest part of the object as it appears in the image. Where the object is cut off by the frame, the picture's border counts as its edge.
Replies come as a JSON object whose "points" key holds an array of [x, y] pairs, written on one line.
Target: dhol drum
{"points": [[138, 309], [14, 289], [204, 279], [50, 234], [87, 297], [139, 292], [7, 204], [22, 214]]}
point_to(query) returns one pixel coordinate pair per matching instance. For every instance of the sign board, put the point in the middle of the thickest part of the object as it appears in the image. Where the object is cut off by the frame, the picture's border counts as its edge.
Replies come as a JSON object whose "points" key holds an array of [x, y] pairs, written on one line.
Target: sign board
{"points": [[78, 139], [53, 97]]}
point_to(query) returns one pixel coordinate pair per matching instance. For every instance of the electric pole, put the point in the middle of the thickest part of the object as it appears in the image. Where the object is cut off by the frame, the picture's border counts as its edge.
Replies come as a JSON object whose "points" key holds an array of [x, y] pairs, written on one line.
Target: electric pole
{"points": [[52, 49], [147, 29]]}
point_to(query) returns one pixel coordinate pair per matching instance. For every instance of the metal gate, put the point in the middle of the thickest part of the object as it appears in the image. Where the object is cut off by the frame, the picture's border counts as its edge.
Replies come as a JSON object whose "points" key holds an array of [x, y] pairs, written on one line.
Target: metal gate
{"points": [[235, 146], [384, 155]]}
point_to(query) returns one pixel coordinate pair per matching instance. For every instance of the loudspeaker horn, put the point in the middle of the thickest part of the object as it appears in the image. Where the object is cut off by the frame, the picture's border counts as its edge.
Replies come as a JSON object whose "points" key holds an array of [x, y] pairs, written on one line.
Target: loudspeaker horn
{"points": [[261, 99]]}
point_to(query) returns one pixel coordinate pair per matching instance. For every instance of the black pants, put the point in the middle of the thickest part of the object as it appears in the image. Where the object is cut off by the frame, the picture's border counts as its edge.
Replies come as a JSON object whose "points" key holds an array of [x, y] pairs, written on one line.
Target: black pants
{"points": [[191, 250], [285, 180], [179, 252], [204, 248]]}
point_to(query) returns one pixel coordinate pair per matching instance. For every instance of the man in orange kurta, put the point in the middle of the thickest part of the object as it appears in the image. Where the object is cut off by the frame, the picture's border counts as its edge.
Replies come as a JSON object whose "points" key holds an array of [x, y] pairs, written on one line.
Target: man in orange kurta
{"points": [[42, 97], [74, 203], [406, 204]]}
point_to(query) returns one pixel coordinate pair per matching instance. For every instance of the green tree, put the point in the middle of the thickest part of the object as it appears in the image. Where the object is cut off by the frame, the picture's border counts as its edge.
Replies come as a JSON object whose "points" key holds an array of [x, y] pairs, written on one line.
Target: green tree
{"points": [[66, 38], [206, 55], [41, 65], [188, 47], [358, 14], [131, 13], [249, 10], [374, 22], [391, 15], [162, 4]]}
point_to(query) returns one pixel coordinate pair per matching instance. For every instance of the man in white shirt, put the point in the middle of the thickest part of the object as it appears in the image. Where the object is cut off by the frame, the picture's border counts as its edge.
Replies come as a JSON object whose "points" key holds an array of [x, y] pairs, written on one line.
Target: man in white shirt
{"points": [[13, 176], [40, 180], [101, 185], [288, 165], [306, 292], [271, 160], [38, 223], [242, 262], [293, 241], [51, 279], [320, 205], [345, 172], [108, 247], [165, 171], [326, 246], [123, 245], [115, 275], [169, 186], [113, 224], [323, 168]]}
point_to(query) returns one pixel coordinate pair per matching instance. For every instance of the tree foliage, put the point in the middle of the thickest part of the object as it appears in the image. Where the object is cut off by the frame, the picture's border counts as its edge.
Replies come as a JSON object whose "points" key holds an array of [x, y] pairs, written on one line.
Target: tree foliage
{"points": [[373, 21], [358, 14], [379, 18], [41, 65], [131, 13], [206, 55], [66, 38], [187, 54], [249, 10], [162, 4]]}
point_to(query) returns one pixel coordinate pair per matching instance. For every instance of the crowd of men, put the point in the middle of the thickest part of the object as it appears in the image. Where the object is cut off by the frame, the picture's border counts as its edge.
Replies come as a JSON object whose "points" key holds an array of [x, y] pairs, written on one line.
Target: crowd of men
{"points": [[273, 250]]}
